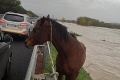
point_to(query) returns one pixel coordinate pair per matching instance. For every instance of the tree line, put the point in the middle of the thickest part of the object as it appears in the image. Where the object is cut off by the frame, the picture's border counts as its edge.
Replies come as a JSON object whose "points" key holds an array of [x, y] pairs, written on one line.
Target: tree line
{"points": [[68, 21], [86, 21], [14, 6]]}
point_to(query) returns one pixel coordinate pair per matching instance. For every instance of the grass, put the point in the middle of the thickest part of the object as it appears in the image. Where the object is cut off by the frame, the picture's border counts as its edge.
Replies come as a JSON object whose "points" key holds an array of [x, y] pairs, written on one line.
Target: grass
{"points": [[83, 75]]}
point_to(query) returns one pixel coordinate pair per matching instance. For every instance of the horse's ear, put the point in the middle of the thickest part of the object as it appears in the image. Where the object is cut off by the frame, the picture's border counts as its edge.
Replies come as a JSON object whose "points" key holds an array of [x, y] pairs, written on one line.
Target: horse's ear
{"points": [[43, 17], [42, 20], [48, 17]]}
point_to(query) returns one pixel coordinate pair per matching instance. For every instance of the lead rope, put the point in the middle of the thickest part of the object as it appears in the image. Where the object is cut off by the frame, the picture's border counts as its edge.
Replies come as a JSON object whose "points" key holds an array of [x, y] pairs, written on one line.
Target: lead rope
{"points": [[54, 72], [51, 39]]}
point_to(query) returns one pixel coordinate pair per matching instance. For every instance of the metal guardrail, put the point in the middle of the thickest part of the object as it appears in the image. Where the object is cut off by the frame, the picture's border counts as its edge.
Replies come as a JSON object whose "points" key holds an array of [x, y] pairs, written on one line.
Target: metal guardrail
{"points": [[53, 70], [31, 68], [32, 64]]}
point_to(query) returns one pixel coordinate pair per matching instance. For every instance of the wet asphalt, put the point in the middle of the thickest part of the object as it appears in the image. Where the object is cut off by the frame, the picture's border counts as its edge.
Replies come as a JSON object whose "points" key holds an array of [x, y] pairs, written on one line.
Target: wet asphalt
{"points": [[20, 59]]}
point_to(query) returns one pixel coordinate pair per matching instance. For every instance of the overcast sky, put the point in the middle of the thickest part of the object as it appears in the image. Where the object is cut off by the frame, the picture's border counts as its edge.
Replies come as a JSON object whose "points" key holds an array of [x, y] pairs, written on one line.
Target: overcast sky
{"points": [[103, 10]]}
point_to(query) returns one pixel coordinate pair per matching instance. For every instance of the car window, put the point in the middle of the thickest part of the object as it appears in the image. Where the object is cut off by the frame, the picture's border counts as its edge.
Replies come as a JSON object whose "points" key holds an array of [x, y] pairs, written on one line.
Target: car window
{"points": [[14, 17]]}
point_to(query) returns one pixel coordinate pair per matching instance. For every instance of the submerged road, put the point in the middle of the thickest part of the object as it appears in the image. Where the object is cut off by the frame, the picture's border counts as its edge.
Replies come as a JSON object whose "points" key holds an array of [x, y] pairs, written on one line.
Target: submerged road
{"points": [[20, 60]]}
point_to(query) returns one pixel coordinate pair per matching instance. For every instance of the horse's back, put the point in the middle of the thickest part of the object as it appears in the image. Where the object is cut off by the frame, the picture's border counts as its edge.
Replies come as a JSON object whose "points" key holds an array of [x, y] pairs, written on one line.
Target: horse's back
{"points": [[82, 51], [83, 46]]}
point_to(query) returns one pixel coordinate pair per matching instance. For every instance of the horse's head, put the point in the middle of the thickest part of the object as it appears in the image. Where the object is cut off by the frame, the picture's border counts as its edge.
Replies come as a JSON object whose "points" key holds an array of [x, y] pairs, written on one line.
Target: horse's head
{"points": [[40, 34]]}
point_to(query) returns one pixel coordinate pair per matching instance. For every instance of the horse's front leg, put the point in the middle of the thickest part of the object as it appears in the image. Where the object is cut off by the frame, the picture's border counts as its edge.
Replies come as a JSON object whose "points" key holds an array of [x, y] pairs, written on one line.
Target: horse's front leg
{"points": [[60, 77], [71, 77]]}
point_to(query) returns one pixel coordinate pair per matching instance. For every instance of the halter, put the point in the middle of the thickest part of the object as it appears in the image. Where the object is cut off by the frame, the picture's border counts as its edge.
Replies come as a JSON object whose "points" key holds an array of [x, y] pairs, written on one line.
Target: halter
{"points": [[51, 38], [51, 32], [51, 51]]}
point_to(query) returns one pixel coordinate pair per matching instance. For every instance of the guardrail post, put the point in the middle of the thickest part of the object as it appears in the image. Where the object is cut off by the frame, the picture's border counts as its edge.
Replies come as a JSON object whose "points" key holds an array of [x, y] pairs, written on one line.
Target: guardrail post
{"points": [[44, 55]]}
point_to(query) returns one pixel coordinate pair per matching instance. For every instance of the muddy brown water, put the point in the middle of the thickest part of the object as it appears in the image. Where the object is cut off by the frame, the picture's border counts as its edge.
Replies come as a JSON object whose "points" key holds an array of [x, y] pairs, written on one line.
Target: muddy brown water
{"points": [[103, 50]]}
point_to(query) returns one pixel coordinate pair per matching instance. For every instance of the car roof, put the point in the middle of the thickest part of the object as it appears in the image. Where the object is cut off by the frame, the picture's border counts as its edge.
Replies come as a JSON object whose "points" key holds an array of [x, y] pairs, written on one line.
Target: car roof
{"points": [[17, 14]]}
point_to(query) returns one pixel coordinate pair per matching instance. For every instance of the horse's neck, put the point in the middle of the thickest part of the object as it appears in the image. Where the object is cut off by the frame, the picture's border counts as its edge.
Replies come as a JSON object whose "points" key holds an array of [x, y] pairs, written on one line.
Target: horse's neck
{"points": [[58, 43]]}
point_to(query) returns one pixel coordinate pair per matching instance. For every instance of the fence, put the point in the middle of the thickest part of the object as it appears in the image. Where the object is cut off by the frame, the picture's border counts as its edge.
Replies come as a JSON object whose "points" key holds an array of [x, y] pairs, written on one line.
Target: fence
{"points": [[31, 68]]}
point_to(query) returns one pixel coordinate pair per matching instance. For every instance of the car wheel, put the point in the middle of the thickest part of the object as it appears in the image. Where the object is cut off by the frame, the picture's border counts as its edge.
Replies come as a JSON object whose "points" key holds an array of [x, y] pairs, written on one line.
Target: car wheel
{"points": [[7, 71]]}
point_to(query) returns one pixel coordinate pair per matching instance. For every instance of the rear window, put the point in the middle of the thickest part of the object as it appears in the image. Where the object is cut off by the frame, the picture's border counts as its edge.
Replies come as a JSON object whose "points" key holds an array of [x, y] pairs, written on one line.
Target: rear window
{"points": [[14, 17]]}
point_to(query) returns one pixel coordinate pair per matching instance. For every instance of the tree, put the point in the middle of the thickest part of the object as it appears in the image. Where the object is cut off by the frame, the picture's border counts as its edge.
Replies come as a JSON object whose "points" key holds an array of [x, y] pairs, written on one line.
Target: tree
{"points": [[21, 10], [83, 22], [14, 6], [86, 21], [78, 20], [63, 19], [89, 23], [31, 14], [9, 5]]}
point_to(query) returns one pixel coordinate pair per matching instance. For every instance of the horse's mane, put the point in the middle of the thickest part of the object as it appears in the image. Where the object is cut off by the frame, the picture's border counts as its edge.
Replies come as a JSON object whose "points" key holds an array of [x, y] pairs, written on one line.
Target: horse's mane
{"points": [[61, 29]]}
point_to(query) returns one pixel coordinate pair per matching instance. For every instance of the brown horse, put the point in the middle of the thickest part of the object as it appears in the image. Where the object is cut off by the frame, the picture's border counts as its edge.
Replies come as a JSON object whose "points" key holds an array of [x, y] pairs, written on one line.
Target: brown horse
{"points": [[71, 53]]}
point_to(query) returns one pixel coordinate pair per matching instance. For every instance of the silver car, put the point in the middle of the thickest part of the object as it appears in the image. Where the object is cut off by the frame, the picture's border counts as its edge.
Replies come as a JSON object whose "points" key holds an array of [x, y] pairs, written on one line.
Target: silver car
{"points": [[16, 23]]}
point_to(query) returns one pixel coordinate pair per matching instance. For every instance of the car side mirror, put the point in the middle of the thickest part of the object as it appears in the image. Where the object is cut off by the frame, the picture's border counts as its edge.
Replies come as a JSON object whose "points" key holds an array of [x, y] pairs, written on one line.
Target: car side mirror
{"points": [[7, 38]]}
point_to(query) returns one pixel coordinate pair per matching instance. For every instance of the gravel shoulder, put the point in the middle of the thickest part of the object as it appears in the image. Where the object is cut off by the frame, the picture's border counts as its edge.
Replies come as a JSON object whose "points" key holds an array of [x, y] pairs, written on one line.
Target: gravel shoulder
{"points": [[103, 50]]}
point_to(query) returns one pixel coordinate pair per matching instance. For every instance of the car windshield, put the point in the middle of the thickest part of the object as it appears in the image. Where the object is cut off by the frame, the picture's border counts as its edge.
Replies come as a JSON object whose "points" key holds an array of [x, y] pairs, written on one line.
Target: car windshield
{"points": [[14, 17]]}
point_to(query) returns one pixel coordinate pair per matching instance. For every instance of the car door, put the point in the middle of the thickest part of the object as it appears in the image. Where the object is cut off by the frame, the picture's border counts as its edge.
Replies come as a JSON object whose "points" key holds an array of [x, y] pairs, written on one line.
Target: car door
{"points": [[4, 56]]}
